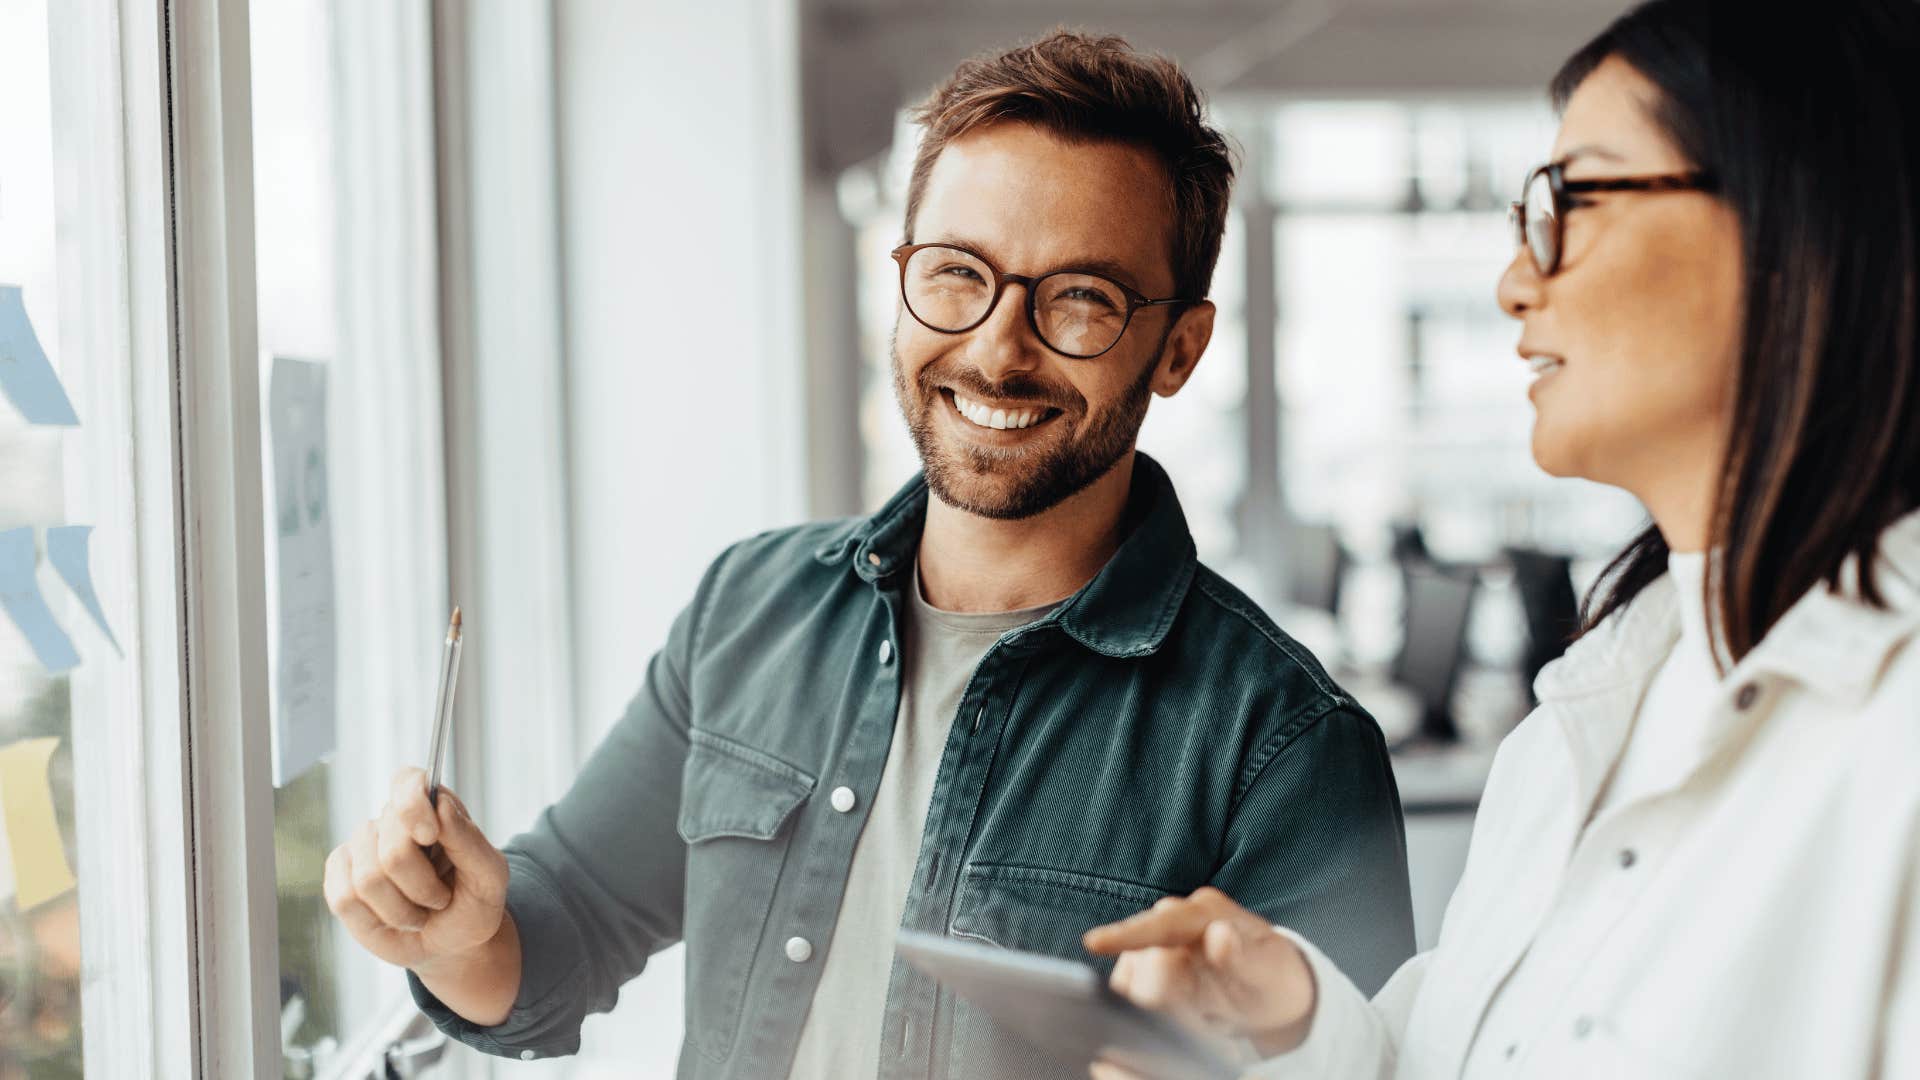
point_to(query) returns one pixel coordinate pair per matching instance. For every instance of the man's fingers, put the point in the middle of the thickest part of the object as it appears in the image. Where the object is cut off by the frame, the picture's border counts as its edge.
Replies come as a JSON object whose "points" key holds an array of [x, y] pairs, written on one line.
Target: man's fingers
{"points": [[471, 854], [374, 889], [337, 885], [407, 866], [407, 800]]}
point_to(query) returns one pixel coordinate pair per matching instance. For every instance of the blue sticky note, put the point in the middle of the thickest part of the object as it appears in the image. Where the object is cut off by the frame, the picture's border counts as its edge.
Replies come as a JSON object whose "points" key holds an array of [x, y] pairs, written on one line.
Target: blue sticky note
{"points": [[25, 375], [67, 551], [20, 596]]}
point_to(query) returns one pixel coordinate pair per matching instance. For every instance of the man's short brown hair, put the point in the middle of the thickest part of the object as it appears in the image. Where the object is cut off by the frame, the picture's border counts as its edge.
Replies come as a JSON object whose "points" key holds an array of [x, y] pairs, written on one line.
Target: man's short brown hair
{"points": [[1086, 87]]}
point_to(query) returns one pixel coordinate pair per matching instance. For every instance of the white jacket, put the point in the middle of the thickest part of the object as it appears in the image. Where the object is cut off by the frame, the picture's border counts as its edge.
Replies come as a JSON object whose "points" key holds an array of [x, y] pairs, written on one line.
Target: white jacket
{"points": [[1758, 916]]}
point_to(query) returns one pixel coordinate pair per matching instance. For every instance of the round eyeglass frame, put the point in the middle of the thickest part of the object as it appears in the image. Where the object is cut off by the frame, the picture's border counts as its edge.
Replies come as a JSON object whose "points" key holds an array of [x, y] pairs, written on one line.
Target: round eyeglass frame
{"points": [[1135, 298], [1569, 195]]}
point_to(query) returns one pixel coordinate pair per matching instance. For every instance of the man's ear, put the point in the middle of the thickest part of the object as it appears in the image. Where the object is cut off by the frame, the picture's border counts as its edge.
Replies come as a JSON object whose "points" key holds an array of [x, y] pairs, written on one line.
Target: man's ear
{"points": [[1185, 344]]}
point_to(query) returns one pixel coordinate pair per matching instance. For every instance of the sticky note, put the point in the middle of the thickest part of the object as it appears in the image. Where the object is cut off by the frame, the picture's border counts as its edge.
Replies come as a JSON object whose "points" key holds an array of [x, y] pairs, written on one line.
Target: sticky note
{"points": [[67, 551], [25, 375], [40, 868], [20, 596]]}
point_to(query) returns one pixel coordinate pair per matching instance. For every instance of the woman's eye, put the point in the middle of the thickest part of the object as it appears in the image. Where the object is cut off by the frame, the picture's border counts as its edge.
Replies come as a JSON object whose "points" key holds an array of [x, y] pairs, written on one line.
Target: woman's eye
{"points": [[956, 270]]}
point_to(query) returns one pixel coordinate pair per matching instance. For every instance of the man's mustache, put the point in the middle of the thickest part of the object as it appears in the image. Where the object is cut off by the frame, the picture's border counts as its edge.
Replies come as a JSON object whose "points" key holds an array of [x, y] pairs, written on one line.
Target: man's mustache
{"points": [[1014, 390]]}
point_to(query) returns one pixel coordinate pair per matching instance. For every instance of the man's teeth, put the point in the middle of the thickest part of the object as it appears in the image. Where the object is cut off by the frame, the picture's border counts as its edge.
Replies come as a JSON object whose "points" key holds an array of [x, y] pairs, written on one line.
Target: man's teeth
{"points": [[998, 419], [1542, 365]]}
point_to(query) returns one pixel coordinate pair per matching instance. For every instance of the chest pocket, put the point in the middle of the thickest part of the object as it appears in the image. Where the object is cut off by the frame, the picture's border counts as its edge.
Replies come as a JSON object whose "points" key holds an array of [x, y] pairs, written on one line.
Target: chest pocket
{"points": [[1033, 909], [735, 804]]}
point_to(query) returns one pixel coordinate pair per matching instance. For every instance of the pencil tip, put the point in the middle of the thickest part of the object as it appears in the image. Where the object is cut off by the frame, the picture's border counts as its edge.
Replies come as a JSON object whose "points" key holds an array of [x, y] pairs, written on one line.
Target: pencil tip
{"points": [[455, 624]]}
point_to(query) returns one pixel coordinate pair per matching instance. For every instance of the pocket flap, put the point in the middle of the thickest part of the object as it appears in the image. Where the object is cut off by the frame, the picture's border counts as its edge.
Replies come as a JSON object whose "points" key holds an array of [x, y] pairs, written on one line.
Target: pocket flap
{"points": [[1042, 909], [731, 789]]}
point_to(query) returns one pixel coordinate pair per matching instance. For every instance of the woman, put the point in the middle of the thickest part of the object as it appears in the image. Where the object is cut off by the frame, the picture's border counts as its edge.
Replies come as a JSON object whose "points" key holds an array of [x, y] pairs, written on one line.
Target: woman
{"points": [[1701, 855]]}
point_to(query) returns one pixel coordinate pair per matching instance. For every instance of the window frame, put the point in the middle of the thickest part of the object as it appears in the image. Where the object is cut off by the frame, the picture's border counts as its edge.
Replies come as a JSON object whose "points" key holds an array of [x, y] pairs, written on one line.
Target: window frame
{"points": [[152, 122], [110, 132]]}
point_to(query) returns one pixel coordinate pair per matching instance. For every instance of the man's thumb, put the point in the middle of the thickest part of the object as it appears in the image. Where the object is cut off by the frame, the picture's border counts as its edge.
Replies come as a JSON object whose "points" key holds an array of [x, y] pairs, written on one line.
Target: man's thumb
{"points": [[460, 837]]}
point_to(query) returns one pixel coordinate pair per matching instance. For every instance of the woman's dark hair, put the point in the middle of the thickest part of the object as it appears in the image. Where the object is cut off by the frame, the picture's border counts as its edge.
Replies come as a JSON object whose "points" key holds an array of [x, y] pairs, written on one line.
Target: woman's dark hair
{"points": [[1808, 116]]}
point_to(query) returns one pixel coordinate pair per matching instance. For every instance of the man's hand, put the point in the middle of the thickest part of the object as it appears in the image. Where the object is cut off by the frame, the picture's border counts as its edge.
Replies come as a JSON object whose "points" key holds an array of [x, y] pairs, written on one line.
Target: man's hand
{"points": [[1213, 965], [408, 908]]}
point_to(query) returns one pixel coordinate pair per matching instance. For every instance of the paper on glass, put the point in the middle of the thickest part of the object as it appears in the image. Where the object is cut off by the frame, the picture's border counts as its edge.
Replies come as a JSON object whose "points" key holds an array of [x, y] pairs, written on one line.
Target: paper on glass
{"points": [[303, 708]]}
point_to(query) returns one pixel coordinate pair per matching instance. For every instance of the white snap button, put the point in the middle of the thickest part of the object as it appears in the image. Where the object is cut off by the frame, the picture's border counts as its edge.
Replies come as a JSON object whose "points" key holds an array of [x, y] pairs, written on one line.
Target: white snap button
{"points": [[873, 557], [842, 799], [886, 652], [799, 950], [526, 1055]]}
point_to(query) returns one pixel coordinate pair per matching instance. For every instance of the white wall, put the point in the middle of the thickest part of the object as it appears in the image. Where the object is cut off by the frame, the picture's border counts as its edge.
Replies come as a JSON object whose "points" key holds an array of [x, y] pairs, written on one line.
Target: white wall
{"points": [[678, 132], [680, 223]]}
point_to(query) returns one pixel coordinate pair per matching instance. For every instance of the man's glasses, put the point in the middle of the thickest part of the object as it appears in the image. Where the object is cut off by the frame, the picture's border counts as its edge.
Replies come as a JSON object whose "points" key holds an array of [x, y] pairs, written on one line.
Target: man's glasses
{"points": [[1548, 196], [1077, 314]]}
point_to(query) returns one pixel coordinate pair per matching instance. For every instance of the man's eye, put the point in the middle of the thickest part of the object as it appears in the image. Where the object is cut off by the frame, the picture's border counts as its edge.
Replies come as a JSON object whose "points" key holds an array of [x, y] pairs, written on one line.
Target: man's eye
{"points": [[966, 273], [1090, 296]]}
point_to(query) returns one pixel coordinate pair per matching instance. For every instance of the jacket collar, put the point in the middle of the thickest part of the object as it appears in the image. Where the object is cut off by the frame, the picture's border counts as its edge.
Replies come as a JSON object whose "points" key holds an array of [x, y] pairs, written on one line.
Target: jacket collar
{"points": [[1830, 641], [1125, 611], [1835, 642]]}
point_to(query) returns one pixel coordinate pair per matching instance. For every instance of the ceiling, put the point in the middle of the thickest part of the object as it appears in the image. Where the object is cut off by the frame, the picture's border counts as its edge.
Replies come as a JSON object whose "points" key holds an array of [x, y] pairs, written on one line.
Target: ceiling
{"points": [[863, 59]]}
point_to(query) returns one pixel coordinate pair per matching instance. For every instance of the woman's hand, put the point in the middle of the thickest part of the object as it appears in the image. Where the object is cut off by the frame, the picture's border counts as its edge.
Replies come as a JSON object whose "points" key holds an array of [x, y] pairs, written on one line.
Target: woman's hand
{"points": [[1213, 965]]}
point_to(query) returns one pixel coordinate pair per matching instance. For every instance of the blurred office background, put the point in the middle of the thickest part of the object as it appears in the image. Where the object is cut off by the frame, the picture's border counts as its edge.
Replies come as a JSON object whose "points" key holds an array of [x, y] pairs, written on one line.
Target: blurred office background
{"points": [[600, 286]]}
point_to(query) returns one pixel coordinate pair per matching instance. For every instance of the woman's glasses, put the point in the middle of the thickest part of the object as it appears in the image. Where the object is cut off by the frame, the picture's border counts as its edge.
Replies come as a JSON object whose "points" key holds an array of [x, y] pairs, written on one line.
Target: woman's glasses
{"points": [[1548, 196], [1077, 314]]}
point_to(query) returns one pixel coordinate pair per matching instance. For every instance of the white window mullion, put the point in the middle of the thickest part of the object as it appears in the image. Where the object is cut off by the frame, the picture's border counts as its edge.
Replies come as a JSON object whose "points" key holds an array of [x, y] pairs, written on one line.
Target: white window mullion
{"points": [[230, 795]]}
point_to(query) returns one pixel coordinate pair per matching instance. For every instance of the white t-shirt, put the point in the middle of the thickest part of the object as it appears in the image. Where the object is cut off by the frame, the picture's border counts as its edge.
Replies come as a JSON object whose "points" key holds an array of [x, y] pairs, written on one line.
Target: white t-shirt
{"points": [[939, 651]]}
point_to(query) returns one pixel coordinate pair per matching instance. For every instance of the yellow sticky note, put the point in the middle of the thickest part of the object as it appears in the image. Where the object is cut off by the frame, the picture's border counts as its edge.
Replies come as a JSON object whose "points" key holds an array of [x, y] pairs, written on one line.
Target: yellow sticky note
{"points": [[40, 870]]}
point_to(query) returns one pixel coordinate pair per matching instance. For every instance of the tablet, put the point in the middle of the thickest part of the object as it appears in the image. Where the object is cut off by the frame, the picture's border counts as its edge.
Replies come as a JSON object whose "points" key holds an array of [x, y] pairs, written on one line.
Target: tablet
{"points": [[1065, 1008]]}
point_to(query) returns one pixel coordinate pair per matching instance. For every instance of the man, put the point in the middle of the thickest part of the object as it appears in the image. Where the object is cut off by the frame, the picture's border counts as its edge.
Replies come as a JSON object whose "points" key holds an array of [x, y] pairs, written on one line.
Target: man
{"points": [[1007, 707]]}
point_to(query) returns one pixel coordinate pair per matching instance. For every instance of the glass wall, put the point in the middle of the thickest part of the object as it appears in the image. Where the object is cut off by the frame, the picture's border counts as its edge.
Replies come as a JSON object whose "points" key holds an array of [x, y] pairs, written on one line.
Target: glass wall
{"points": [[1402, 416], [352, 466], [44, 631]]}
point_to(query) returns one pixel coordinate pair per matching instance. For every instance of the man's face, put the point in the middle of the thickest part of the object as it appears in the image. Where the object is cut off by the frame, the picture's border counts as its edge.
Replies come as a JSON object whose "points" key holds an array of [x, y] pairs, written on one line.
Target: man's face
{"points": [[1031, 203]]}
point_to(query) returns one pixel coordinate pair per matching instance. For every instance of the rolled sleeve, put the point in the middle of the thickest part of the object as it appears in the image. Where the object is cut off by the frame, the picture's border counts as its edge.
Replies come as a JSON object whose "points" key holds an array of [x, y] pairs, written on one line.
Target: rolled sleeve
{"points": [[545, 1019]]}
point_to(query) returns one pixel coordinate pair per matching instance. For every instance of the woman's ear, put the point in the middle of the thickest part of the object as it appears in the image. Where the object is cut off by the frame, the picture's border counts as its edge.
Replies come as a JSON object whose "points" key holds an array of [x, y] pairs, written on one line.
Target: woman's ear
{"points": [[1185, 345]]}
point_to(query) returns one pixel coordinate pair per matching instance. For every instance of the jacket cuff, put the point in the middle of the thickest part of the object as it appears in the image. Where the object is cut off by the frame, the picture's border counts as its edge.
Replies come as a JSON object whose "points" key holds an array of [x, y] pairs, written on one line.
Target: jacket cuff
{"points": [[546, 1014], [1346, 1038]]}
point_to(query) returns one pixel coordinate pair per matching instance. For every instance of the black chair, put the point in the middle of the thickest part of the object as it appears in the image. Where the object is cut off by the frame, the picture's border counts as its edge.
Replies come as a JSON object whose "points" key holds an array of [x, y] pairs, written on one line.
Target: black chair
{"points": [[1316, 562], [1439, 603], [1552, 610]]}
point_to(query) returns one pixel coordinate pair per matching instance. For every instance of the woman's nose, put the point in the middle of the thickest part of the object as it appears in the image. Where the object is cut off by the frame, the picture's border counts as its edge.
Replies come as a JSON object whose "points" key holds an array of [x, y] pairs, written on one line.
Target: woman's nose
{"points": [[1519, 288]]}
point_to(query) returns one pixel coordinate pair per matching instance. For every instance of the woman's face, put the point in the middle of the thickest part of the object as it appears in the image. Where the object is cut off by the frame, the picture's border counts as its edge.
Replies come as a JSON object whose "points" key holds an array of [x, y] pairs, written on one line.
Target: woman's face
{"points": [[1642, 319]]}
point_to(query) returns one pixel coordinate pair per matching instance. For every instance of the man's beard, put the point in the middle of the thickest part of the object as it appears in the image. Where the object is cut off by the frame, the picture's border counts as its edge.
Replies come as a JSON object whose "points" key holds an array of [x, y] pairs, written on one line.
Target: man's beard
{"points": [[1035, 480]]}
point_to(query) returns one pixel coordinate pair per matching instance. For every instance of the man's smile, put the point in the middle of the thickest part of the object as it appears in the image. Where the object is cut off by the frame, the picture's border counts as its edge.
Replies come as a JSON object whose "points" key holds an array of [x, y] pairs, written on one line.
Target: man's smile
{"points": [[990, 416]]}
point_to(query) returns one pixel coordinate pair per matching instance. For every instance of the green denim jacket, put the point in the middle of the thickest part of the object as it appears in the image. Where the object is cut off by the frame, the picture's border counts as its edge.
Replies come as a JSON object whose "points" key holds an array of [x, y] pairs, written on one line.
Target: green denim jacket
{"points": [[1153, 734]]}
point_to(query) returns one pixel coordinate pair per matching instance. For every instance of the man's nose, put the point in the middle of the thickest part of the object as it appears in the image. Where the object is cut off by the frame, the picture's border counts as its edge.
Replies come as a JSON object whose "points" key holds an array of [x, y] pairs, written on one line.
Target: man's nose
{"points": [[1006, 342]]}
